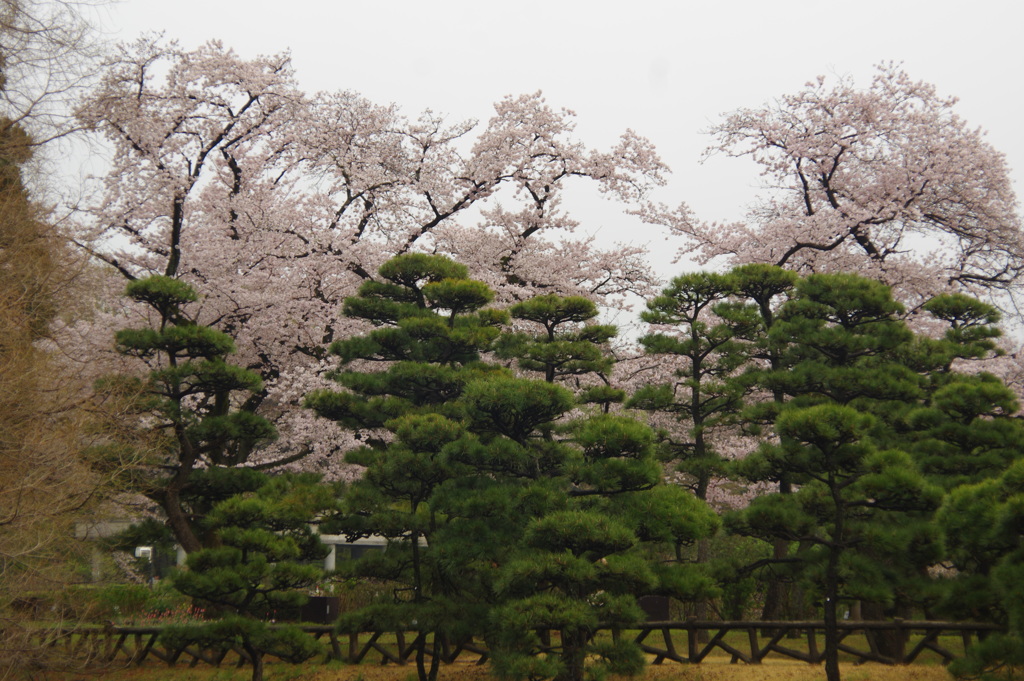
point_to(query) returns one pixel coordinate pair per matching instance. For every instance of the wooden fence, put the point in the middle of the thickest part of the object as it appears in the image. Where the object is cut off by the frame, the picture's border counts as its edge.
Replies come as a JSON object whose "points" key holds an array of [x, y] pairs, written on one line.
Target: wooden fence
{"points": [[690, 641], [859, 640]]}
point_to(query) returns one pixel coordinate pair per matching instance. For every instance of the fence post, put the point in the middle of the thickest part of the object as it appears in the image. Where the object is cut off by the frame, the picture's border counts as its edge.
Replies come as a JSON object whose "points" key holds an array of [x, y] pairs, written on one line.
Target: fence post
{"points": [[691, 639]]}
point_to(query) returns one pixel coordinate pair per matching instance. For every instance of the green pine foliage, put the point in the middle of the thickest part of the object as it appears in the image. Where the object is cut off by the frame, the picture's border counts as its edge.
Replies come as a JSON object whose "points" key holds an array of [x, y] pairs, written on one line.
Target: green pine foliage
{"points": [[872, 424], [578, 542], [261, 568], [506, 511], [983, 524], [431, 328], [966, 430], [708, 353], [568, 342], [187, 402]]}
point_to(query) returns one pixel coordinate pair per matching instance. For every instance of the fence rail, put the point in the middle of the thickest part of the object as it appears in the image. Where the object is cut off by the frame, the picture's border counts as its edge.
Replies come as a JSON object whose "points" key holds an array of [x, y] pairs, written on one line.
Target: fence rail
{"points": [[912, 639], [691, 641]]}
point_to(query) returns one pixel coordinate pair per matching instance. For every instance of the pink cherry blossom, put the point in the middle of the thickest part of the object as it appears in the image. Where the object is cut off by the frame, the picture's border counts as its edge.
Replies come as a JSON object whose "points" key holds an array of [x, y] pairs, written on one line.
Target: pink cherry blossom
{"points": [[275, 204]]}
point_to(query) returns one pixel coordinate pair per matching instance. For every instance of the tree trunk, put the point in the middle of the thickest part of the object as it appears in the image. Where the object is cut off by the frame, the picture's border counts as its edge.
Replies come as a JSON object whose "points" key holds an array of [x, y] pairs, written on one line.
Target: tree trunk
{"points": [[435, 658], [177, 519], [421, 654], [835, 547], [423, 671], [891, 643], [700, 607], [775, 595], [574, 645], [831, 619], [778, 598], [257, 662]]}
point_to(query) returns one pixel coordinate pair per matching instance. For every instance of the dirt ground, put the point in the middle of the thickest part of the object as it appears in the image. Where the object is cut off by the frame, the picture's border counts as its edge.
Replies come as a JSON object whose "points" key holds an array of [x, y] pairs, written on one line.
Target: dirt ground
{"points": [[781, 670]]}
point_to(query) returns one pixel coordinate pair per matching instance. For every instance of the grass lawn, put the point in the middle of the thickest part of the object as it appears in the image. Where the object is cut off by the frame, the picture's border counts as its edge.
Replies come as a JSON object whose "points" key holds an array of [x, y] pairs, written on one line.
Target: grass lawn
{"points": [[713, 670]]}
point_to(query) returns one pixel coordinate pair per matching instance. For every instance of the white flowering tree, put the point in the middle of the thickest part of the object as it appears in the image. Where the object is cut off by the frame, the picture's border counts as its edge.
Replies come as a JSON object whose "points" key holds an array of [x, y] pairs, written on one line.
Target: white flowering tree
{"points": [[277, 204]]}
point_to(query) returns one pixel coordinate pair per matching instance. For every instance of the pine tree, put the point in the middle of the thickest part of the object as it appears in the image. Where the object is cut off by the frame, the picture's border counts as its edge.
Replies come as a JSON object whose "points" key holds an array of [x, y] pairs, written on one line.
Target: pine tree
{"points": [[259, 571], [568, 343], [483, 484], [983, 524], [186, 399], [706, 350], [859, 515], [431, 329], [965, 430], [758, 292], [604, 535]]}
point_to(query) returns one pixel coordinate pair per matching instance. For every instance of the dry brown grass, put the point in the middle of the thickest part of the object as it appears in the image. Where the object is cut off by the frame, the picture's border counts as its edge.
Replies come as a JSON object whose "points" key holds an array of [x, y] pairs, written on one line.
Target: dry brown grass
{"points": [[771, 670]]}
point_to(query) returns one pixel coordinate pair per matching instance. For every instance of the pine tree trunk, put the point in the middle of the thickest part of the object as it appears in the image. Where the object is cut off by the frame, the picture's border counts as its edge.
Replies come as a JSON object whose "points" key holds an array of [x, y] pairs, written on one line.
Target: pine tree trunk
{"points": [[424, 671], [177, 519], [831, 619], [421, 654], [435, 659], [832, 583], [700, 609], [574, 643], [257, 663], [776, 593], [777, 596], [890, 643]]}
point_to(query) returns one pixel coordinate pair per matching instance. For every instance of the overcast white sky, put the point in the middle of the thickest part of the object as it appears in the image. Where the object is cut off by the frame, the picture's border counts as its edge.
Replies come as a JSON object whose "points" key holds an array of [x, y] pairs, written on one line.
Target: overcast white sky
{"points": [[665, 69]]}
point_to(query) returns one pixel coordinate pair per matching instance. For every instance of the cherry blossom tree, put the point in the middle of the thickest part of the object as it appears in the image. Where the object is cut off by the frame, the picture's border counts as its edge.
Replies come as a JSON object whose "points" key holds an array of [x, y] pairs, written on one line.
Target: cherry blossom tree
{"points": [[886, 180], [278, 204]]}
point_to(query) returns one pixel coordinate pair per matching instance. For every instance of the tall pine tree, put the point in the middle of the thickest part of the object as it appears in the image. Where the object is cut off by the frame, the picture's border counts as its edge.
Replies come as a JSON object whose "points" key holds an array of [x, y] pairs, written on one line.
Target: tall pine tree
{"points": [[186, 400], [504, 515], [859, 517]]}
